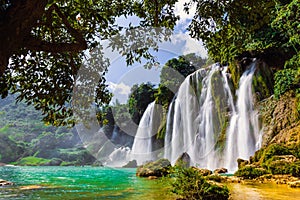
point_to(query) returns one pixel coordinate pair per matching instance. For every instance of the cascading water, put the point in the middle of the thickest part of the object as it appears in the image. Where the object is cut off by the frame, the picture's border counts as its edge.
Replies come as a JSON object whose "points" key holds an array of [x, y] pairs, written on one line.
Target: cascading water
{"points": [[196, 120], [243, 134], [197, 123], [192, 128], [142, 149]]}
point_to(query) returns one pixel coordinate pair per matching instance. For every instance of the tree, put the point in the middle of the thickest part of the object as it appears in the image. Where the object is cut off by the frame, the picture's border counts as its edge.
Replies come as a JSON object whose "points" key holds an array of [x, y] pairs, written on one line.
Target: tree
{"points": [[45, 42], [140, 97], [232, 29], [173, 74]]}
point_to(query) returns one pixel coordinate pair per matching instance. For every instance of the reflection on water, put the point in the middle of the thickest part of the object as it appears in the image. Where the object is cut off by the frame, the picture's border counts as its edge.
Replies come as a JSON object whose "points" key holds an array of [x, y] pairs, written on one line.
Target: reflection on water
{"points": [[79, 183], [108, 183], [264, 191]]}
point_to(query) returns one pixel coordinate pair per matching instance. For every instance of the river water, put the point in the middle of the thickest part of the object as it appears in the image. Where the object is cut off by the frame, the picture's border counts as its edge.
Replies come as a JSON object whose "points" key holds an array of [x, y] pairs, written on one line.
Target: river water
{"points": [[65, 183]]}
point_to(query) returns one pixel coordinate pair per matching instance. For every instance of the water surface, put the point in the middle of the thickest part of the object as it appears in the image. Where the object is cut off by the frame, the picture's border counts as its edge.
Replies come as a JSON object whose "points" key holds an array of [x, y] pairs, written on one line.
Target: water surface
{"points": [[79, 183]]}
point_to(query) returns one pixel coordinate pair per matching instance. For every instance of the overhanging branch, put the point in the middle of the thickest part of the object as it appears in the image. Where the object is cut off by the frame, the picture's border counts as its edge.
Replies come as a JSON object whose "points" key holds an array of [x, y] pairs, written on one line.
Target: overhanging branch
{"points": [[37, 44]]}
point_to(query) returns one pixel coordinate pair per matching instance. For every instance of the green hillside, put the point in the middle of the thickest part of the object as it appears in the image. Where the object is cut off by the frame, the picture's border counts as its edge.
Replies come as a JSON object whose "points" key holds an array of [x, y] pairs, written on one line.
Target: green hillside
{"points": [[26, 140]]}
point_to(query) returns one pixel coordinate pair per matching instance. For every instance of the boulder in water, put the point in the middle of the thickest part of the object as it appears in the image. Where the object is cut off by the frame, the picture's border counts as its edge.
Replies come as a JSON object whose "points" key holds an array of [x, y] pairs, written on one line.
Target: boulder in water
{"points": [[5, 183], [157, 168], [221, 170], [183, 161], [131, 164]]}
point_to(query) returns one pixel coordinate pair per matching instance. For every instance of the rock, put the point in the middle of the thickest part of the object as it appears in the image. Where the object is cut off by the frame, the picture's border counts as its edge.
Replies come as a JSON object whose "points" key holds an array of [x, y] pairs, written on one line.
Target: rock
{"points": [[131, 164], [233, 179], [2, 164], [5, 183], [242, 162], [54, 162], [157, 168], [294, 184], [221, 171], [152, 177], [203, 172], [30, 187], [183, 161]]}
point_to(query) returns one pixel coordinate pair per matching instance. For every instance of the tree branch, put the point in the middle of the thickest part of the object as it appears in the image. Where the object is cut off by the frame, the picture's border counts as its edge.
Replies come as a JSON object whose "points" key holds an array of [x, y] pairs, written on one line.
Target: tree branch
{"points": [[37, 44]]}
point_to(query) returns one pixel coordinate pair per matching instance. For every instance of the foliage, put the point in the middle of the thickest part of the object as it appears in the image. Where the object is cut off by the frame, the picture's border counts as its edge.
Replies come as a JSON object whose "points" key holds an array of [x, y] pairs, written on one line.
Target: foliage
{"points": [[250, 172], [140, 97], [231, 28], [157, 168], [47, 49], [274, 159], [285, 80], [173, 74], [32, 161], [190, 184], [274, 149], [26, 135]]}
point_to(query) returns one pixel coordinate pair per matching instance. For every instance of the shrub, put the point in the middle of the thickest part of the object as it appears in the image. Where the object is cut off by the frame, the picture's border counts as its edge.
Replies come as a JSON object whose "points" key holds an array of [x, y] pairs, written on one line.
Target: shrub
{"points": [[250, 172], [285, 80], [32, 161], [190, 184], [275, 149]]}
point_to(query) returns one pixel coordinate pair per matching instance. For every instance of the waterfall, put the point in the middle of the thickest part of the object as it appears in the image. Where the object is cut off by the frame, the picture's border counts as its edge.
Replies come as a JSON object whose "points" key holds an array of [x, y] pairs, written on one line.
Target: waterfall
{"points": [[142, 150], [243, 134], [203, 120], [197, 120], [169, 129], [192, 119]]}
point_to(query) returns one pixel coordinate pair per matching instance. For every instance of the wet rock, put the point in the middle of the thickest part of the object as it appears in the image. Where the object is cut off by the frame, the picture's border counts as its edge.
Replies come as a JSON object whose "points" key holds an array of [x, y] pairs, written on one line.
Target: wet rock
{"points": [[242, 162], [183, 161], [152, 177], [157, 168], [131, 164], [203, 172], [221, 170], [5, 183], [294, 184]]}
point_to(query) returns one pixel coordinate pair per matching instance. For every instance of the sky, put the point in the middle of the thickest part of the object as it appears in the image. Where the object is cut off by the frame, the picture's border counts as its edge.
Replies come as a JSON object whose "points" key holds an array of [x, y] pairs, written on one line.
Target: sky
{"points": [[120, 78]]}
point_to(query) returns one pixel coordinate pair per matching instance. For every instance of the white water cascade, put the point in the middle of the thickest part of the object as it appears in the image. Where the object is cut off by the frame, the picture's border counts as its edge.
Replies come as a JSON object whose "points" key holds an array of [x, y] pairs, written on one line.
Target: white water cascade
{"points": [[142, 150], [191, 119], [195, 120], [243, 134]]}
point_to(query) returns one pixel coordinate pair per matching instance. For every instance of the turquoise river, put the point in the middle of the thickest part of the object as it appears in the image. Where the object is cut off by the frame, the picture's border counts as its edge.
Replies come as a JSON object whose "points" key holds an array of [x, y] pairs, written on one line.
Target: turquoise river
{"points": [[108, 183]]}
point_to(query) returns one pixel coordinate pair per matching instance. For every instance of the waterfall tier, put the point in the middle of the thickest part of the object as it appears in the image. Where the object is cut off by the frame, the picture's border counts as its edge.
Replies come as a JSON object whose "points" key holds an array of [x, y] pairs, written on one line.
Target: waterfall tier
{"points": [[197, 120]]}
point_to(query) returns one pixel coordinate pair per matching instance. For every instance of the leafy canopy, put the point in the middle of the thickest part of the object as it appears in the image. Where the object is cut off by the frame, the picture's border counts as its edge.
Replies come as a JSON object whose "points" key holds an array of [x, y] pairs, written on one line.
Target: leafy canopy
{"points": [[46, 49]]}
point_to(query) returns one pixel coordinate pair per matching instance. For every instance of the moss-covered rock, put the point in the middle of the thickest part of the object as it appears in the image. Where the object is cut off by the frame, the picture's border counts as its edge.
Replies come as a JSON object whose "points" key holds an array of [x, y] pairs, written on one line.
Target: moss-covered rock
{"points": [[157, 168], [250, 172], [183, 161], [203, 172]]}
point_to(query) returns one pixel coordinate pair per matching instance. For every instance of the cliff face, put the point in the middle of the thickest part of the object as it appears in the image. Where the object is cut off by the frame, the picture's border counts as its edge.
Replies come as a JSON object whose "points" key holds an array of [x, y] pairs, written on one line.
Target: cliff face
{"points": [[281, 120]]}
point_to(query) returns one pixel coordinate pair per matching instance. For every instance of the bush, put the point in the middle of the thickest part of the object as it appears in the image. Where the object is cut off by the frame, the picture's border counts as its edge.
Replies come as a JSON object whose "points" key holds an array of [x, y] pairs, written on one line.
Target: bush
{"points": [[294, 169], [32, 161], [273, 150], [250, 172], [285, 80], [190, 184]]}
